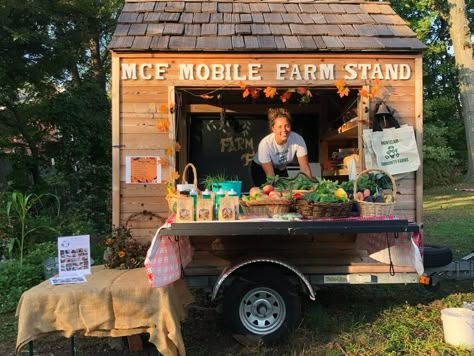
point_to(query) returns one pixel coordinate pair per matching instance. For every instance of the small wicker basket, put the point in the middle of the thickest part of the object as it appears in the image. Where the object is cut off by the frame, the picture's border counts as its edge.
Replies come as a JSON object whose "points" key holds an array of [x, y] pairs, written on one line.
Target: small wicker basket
{"points": [[318, 210], [266, 207], [173, 198], [367, 209]]}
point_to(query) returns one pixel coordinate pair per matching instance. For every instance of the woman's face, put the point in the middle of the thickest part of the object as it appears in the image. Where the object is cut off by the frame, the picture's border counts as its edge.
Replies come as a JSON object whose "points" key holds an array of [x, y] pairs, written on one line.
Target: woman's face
{"points": [[281, 128]]}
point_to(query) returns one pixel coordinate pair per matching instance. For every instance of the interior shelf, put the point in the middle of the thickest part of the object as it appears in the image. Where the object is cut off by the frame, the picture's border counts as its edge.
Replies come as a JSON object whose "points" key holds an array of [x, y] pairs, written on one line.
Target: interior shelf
{"points": [[346, 131]]}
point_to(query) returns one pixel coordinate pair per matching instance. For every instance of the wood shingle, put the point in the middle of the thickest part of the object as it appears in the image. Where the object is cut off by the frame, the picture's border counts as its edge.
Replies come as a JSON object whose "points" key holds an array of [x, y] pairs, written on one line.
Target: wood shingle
{"points": [[267, 42], [210, 7], [209, 29], [269, 25]]}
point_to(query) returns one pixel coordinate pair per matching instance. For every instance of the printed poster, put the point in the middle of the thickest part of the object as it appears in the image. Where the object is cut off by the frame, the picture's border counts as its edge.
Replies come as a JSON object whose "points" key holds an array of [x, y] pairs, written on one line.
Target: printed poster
{"points": [[55, 281], [74, 255], [142, 169]]}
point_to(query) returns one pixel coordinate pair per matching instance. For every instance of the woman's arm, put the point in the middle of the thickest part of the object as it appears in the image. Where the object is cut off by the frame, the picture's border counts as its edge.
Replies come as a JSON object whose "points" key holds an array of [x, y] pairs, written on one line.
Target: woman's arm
{"points": [[304, 165], [268, 169]]}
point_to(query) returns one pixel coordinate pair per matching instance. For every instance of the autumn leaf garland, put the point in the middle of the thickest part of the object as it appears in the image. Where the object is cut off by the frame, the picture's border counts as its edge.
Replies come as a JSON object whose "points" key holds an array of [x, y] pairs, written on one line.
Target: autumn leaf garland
{"points": [[343, 90], [272, 92]]}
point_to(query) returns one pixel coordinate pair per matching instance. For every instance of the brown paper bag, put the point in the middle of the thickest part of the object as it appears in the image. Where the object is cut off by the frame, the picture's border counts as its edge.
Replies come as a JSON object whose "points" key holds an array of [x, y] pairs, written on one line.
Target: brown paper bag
{"points": [[227, 209], [204, 209], [185, 209]]}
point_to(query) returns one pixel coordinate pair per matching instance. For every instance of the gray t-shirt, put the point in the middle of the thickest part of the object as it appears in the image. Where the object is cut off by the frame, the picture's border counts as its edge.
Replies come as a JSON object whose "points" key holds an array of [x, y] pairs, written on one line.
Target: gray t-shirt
{"points": [[280, 155]]}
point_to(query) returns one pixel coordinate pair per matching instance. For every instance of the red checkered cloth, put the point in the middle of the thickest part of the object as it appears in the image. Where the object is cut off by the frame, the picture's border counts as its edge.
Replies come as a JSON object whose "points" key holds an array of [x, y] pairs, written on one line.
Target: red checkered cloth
{"points": [[167, 256]]}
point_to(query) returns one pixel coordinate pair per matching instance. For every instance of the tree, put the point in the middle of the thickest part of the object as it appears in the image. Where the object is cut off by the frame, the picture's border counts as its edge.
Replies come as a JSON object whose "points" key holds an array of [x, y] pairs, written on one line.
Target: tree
{"points": [[47, 47], [463, 53], [443, 78]]}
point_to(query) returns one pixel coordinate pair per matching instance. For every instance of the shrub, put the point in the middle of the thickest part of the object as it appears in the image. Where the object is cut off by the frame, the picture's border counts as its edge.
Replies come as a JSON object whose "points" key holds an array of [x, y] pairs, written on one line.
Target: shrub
{"points": [[41, 251], [16, 278], [439, 165]]}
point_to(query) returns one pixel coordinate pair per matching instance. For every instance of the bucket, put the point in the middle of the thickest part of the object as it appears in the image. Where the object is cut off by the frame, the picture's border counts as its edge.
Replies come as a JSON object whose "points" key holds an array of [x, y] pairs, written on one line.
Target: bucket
{"points": [[458, 326]]}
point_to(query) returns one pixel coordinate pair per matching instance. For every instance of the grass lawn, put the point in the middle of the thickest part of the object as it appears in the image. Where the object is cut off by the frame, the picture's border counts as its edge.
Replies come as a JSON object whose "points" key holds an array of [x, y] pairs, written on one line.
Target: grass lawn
{"points": [[344, 320], [449, 218]]}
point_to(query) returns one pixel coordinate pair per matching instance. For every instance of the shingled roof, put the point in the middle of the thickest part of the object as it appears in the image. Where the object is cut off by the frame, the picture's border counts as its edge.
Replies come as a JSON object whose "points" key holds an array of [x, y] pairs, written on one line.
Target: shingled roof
{"points": [[261, 25]]}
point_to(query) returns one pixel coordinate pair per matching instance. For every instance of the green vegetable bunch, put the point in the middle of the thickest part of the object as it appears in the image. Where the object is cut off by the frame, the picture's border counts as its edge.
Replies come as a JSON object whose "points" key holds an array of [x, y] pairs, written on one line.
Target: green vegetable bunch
{"points": [[327, 191], [300, 182], [375, 182]]}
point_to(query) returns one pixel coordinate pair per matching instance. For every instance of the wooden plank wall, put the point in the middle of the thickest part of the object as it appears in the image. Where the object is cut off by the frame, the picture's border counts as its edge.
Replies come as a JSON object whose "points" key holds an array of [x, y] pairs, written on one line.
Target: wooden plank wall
{"points": [[140, 101], [330, 253]]}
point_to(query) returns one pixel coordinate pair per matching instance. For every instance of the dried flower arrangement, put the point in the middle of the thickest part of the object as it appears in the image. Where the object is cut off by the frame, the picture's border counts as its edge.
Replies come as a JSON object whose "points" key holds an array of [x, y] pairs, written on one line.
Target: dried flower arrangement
{"points": [[123, 251]]}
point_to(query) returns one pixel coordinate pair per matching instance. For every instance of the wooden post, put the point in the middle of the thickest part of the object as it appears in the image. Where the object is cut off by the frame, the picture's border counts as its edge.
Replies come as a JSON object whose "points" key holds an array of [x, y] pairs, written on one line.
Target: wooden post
{"points": [[116, 147], [364, 119], [419, 137]]}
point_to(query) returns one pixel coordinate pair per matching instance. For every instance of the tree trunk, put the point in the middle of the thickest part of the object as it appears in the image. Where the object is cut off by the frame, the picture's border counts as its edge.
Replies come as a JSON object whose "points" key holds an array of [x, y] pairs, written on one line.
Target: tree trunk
{"points": [[463, 53], [97, 63], [34, 166]]}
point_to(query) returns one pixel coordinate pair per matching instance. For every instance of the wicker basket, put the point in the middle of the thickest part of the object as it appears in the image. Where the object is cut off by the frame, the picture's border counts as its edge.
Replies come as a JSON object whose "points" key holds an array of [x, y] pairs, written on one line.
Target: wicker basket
{"points": [[266, 207], [173, 198], [318, 210], [367, 209]]}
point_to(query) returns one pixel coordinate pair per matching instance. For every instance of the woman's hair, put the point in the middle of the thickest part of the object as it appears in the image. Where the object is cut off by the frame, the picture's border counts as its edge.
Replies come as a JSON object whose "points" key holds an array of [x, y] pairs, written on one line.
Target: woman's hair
{"points": [[274, 113]]}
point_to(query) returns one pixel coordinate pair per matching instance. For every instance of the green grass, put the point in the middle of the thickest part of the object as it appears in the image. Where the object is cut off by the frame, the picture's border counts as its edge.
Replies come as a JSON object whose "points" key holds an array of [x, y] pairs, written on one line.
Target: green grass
{"points": [[449, 218]]}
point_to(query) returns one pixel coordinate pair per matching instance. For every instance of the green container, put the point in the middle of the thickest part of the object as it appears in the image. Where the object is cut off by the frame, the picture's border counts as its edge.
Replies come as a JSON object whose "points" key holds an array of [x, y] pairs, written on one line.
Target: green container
{"points": [[227, 186]]}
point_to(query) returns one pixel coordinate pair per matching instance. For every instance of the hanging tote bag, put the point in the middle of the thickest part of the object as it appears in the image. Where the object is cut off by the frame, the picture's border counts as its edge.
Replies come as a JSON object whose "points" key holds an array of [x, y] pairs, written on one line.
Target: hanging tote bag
{"points": [[369, 154], [383, 120], [166, 258], [389, 146], [396, 150]]}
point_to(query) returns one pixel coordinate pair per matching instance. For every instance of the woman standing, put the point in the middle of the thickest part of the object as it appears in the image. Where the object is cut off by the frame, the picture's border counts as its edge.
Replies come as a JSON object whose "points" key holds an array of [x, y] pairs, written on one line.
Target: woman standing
{"points": [[278, 149]]}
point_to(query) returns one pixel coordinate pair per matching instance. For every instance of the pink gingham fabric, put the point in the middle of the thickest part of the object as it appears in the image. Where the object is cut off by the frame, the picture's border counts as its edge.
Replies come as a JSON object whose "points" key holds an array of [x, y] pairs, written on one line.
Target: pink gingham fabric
{"points": [[166, 257]]}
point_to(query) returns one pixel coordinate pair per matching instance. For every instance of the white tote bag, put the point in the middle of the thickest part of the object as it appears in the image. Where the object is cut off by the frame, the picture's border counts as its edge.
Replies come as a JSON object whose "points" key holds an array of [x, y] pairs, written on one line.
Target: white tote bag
{"points": [[369, 154], [395, 149]]}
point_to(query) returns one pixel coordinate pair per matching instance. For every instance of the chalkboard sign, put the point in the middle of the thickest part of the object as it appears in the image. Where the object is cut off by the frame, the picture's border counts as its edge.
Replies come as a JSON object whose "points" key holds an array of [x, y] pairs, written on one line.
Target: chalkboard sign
{"points": [[226, 144]]}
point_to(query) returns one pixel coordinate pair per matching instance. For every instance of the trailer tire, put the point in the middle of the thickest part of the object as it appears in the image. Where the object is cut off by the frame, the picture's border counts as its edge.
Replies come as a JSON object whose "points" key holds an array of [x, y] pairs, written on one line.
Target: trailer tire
{"points": [[436, 256], [261, 309]]}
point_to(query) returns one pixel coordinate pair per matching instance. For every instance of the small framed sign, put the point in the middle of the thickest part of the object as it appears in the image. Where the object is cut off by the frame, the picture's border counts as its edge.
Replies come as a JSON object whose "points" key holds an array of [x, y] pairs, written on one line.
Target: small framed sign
{"points": [[74, 255], [142, 169]]}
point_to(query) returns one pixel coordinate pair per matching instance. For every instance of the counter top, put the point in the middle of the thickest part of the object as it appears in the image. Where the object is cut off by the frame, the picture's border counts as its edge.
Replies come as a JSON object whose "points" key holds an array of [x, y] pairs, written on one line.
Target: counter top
{"points": [[279, 227]]}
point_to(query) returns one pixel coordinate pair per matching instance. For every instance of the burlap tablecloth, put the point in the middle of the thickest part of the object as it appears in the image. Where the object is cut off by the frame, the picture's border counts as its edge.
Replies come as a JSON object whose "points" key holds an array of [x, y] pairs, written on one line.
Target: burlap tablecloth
{"points": [[111, 303]]}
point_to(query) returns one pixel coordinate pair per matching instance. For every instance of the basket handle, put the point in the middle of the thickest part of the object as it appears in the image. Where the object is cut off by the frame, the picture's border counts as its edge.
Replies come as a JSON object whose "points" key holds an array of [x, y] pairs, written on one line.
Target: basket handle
{"points": [[394, 186], [185, 171]]}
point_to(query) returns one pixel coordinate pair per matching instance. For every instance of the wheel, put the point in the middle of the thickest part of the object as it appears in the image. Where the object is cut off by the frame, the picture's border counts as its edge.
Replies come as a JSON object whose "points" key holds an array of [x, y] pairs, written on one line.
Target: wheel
{"points": [[262, 309], [436, 256]]}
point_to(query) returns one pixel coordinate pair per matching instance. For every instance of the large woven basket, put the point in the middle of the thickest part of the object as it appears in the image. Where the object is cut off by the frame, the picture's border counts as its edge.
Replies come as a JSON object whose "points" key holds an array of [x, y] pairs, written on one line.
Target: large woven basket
{"points": [[266, 207], [368, 209], [318, 210], [173, 198]]}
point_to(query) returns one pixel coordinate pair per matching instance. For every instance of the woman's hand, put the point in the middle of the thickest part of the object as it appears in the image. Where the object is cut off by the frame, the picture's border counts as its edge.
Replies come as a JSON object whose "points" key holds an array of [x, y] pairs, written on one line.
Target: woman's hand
{"points": [[268, 169], [304, 165]]}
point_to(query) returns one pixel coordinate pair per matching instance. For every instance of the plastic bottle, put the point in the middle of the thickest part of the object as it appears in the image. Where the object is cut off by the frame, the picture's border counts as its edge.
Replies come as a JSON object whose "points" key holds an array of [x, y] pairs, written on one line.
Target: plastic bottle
{"points": [[219, 194], [193, 194], [206, 194]]}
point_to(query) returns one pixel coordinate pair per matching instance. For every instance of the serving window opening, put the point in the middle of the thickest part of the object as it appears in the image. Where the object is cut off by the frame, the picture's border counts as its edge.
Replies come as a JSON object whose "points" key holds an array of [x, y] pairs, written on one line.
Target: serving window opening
{"points": [[220, 133]]}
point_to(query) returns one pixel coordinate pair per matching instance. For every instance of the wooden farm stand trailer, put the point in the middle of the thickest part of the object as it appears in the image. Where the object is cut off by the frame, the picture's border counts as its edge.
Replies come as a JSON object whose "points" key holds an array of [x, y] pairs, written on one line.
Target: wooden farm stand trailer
{"points": [[179, 69]]}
